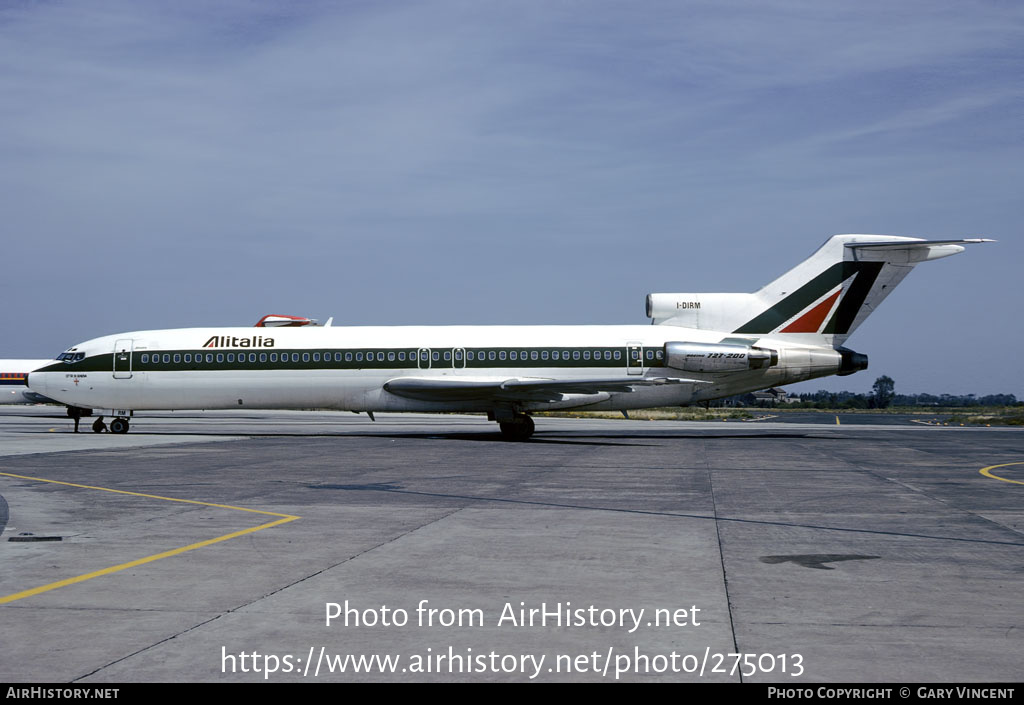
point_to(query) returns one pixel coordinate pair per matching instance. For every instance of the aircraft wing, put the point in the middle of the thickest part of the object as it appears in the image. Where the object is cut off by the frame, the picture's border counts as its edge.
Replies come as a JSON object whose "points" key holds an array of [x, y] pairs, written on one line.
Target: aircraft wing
{"points": [[517, 388]]}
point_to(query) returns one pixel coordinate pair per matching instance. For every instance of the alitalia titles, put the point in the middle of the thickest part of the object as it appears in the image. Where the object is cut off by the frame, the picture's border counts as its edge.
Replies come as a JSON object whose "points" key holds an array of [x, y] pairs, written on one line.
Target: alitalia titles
{"points": [[229, 341]]}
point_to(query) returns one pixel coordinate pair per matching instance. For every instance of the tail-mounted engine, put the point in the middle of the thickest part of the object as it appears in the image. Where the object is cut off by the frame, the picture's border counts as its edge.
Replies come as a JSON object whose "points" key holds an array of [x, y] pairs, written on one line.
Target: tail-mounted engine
{"points": [[718, 357]]}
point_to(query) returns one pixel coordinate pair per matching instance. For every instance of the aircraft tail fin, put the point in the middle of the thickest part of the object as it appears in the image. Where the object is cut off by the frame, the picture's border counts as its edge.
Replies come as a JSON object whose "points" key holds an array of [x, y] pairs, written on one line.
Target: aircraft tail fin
{"points": [[821, 301]]}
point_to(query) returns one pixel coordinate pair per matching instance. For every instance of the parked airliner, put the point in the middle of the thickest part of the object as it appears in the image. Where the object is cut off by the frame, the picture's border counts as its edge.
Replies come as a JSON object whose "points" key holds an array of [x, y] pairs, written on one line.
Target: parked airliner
{"points": [[14, 381], [700, 347]]}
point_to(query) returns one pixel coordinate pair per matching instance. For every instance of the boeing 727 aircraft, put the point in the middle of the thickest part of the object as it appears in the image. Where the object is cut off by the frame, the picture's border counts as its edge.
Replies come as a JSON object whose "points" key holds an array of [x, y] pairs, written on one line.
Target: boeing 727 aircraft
{"points": [[700, 347]]}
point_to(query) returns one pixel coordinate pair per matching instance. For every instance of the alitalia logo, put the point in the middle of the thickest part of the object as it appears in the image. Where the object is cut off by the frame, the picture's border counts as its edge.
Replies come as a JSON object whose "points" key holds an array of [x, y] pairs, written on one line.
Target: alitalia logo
{"points": [[228, 341]]}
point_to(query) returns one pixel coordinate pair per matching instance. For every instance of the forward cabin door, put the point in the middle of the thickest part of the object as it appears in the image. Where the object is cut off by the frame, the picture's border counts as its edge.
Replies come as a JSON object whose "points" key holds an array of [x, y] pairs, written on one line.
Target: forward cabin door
{"points": [[123, 358]]}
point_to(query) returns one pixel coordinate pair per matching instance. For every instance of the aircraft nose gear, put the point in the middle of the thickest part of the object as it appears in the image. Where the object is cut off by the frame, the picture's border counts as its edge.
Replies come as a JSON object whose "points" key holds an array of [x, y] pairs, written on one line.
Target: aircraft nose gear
{"points": [[119, 425], [518, 429]]}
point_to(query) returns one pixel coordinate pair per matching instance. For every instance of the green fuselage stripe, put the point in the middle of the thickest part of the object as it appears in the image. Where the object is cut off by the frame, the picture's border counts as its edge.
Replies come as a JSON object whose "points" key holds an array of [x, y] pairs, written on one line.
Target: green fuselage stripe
{"points": [[371, 359]]}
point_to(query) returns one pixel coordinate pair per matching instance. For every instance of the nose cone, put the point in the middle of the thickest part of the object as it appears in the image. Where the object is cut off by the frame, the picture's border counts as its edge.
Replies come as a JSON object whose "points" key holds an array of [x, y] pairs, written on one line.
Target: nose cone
{"points": [[37, 382]]}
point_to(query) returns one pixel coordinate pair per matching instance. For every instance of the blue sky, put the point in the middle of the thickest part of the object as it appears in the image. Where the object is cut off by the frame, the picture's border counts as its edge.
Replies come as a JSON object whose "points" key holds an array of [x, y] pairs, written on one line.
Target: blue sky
{"points": [[179, 164]]}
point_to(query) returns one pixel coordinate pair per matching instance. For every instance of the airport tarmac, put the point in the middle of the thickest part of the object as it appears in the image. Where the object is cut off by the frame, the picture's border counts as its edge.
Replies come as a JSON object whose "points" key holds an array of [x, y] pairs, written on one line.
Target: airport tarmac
{"points": [[815, 551]]}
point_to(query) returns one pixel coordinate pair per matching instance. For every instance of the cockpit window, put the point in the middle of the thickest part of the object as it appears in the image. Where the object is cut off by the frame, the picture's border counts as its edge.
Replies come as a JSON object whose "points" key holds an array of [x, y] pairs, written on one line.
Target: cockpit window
{"points": [[70, 357]]}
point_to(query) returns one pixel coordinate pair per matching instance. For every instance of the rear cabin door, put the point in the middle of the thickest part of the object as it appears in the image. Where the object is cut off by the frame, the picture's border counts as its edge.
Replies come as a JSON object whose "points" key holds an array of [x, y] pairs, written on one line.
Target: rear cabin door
{"points": [[634, 358]]}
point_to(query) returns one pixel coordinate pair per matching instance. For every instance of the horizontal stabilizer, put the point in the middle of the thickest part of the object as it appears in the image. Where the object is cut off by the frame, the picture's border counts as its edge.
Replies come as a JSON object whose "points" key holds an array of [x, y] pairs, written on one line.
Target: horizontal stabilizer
{"points": [[917, 243]]}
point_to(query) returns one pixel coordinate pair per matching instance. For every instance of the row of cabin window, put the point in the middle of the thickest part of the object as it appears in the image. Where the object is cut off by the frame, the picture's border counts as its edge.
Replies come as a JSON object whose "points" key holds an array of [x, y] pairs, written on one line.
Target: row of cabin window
{"points": [[400, 356]]}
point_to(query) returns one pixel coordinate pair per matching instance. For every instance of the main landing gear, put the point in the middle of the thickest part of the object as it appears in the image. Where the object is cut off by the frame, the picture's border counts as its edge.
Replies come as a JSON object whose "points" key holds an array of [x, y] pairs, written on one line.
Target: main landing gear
{"points": [[519, 428], [119, 425]]}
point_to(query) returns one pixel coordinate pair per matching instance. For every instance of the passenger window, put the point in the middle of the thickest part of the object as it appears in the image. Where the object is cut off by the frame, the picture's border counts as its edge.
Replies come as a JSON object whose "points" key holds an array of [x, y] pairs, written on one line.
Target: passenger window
{"points": [[252, 357], [436, 356], [359, 357], [167, 359], [273, 357], [533, 354], [618, 354], [348, 357], [145, 359], [316, 357], [220, 357], [512, 355], [295, 357], [231, 357], [501, 355], [543, 354], [490, 355], [263, 357], [575, 354], [650, 354], [305, 357], [586, 354], [188, 358], [607, 354], [337, 357], [391, 357]]}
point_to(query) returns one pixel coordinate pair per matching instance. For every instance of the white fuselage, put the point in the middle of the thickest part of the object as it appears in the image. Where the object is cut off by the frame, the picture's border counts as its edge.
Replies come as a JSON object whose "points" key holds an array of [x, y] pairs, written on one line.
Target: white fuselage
{"points": [[347, 368]]}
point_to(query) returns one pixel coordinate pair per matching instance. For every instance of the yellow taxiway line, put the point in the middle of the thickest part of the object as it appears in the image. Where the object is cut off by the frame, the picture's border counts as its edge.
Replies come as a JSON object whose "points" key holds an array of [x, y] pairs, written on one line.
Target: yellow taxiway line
{"points": [[987, 472], [283, 519]]}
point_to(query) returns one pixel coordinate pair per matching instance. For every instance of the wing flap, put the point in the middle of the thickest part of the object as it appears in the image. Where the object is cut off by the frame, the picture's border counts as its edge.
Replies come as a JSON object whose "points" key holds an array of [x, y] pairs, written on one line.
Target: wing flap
{"points": [[518, 388]]}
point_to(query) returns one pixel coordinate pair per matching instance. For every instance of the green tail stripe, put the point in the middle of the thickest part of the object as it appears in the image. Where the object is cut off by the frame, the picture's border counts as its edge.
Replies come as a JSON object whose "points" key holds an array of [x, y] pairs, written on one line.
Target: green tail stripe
{"points": [[802, 298], [858, 292]]}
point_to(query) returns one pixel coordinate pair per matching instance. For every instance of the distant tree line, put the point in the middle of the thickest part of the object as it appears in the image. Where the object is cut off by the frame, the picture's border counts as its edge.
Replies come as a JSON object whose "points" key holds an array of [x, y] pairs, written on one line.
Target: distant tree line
{"points": [[883, 395], [854, 400]]}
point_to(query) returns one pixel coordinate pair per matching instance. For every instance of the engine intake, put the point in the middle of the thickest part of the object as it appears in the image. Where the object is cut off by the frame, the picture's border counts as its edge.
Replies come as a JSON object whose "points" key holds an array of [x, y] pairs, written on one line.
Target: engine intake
{"points": [[718, 357]]}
